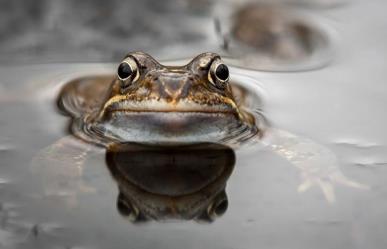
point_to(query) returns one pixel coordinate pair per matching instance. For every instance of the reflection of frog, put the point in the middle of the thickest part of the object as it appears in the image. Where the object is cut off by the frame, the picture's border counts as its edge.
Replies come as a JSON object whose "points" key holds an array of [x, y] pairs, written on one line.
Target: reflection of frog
{"points": [[151, 103], [158, 183]]}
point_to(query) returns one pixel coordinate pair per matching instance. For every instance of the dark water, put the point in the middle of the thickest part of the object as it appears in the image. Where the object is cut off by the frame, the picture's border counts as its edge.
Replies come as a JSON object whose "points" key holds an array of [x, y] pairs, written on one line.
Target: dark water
{"points": [[338, 156]]}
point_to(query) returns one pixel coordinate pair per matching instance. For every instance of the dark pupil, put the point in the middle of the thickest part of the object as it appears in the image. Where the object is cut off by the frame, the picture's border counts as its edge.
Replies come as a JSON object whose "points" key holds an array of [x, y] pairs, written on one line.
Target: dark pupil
{"points": [[124, 70], [222, 72]]}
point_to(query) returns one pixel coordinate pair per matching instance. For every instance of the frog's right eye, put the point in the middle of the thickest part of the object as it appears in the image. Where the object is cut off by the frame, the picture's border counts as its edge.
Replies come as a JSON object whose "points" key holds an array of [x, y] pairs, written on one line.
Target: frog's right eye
{"points": [[127, 72]]}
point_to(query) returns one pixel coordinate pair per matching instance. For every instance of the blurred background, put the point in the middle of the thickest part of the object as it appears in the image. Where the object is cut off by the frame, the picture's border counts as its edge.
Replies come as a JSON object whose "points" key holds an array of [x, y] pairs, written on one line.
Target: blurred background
{"points": [[100, 30], [44, 31]]}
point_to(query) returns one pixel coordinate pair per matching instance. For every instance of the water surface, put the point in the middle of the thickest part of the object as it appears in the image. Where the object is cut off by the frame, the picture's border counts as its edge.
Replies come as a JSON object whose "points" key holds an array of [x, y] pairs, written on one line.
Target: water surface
{"points": [[340, 107]]}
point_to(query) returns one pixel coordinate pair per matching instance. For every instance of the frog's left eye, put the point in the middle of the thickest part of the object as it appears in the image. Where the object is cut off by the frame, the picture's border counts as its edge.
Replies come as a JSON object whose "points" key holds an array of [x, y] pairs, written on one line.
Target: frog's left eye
{"points": [[218, 74], [127, 72]]}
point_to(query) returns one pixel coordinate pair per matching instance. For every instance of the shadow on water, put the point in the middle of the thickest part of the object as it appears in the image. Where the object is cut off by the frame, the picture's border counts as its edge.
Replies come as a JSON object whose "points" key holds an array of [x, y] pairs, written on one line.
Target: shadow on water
{"points": [[163, 183]]}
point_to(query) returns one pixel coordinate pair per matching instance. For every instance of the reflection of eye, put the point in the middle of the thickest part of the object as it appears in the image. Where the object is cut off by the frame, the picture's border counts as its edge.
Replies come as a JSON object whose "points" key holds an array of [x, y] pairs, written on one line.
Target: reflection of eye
{"points": [[126, 209], [127, 72], [218, 74], [218, 207]]}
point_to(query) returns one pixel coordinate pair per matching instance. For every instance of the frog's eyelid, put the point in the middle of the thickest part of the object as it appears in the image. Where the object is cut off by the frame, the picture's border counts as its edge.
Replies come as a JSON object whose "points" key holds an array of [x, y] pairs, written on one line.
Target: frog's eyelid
{"points": [[208, 63], [143, 67], [133, 58]]}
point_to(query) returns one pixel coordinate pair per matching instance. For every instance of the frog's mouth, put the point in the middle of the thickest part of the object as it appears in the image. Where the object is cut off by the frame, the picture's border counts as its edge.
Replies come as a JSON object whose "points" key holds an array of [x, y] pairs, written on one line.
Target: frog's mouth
{"points": [[184, 121], [160, 106]]}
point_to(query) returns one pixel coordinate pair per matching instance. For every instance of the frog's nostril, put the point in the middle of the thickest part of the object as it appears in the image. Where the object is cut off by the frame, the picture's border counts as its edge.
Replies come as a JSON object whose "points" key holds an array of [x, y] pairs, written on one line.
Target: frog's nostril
{"points": [[174, 87]]}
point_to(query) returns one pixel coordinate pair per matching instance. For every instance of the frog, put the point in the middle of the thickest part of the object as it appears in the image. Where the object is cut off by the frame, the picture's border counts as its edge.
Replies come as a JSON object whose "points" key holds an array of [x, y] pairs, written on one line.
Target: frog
{"points": [[150, 103]]}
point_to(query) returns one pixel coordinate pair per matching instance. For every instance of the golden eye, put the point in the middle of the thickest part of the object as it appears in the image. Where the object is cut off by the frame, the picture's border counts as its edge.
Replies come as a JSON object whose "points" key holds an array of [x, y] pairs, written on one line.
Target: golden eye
{"points": [[127, 72], [218, 74]]}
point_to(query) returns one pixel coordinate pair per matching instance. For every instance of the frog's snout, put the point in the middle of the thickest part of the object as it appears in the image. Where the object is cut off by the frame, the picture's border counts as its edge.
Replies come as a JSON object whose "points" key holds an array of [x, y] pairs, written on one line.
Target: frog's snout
{"points": [[174, 87]]}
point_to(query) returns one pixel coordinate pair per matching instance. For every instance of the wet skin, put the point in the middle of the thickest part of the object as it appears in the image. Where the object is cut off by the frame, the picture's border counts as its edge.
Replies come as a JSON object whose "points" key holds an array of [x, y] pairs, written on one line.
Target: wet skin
{"points": [[162, 104], [151, 103]]}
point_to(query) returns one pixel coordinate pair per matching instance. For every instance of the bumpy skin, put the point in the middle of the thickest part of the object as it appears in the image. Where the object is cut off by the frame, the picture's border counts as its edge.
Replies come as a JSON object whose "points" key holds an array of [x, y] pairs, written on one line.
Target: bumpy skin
{"points": [[165, 104], [172, 86]]}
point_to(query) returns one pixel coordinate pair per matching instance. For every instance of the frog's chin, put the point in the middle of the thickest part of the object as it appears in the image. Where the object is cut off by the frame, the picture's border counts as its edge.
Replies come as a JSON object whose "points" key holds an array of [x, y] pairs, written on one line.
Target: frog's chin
{"points": [[169, 127]]}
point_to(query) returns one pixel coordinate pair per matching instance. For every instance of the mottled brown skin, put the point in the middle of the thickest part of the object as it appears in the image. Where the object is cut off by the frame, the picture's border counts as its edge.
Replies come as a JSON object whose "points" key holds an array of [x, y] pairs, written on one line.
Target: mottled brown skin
{"points": [[172, 84], [165, 104]]}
